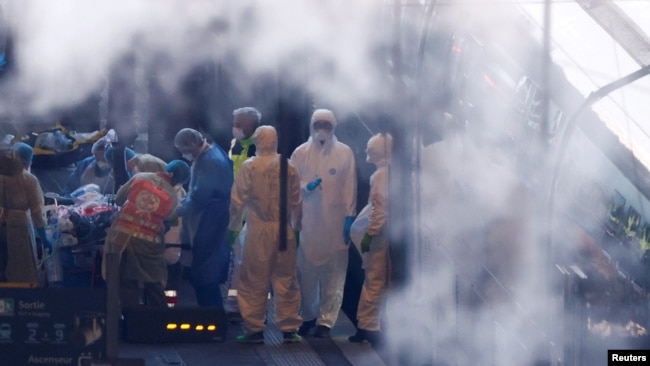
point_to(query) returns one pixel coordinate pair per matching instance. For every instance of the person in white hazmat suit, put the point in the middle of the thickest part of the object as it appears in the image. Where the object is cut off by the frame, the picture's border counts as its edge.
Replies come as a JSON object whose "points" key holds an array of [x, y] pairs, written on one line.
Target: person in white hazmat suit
{"points": [[369, 232], [329, 186], [257, 191]]}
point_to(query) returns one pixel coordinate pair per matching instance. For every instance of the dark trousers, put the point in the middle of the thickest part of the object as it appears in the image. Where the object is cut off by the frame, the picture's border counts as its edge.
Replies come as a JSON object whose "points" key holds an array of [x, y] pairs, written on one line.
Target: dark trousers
{"points": [[153, 295], [209, 295]]}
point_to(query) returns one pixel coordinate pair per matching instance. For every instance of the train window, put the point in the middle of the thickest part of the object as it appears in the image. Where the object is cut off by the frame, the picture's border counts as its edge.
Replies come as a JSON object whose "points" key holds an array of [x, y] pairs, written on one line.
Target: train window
{"points": [[616, 214], [556, 123], [528, 103], [632, 223]]}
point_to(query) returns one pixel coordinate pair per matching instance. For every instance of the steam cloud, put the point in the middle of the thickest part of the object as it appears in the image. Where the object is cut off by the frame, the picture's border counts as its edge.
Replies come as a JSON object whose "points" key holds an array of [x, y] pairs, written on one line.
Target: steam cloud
{"points": [[65, 48]]}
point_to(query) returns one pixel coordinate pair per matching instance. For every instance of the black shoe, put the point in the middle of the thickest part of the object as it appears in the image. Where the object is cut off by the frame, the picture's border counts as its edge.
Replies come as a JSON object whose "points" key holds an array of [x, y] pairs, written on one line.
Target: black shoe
{"points": [[291, 337], [375, 338], [234, 318], [322, 332], [358, 337], [306, 327]]}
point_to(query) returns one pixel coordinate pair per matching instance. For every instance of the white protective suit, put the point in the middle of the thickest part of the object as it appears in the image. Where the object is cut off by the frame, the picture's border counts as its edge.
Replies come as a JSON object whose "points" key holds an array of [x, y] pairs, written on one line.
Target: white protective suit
{"points": [[323, 254], [257, 190], [372, 220]]}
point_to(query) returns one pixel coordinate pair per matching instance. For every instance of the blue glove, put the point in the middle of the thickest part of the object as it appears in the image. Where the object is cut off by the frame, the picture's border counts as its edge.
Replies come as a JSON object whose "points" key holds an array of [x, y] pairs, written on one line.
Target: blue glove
{"points": [[365, 243], [346, 229], [47, 244], [313, 184], [296, 233]]}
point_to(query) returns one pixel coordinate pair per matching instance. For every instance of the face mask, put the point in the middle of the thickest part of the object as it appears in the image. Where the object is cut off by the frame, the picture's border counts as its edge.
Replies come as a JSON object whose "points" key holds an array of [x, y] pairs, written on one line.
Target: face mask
{"points": [[322, 136], [373, 157], [369, 159], [237, 133], [188, 156], [102, 165]]}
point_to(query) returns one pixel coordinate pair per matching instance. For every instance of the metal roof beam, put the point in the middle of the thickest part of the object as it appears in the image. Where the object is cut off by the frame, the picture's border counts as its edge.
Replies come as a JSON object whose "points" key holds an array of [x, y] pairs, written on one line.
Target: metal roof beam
{"points": [[621, 27]]}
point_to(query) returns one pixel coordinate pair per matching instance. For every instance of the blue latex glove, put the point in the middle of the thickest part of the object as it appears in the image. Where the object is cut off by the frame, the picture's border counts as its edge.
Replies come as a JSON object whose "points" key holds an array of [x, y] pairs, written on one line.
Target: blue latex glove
{"points": [[365, 243], [313, 184], [346, 229], [296, 233], [232, 237], [47, 244]]}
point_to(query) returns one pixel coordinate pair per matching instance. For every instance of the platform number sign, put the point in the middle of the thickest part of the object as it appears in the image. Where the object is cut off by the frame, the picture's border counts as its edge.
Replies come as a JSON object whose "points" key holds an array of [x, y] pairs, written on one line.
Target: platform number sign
{"points": [[61, 326]]}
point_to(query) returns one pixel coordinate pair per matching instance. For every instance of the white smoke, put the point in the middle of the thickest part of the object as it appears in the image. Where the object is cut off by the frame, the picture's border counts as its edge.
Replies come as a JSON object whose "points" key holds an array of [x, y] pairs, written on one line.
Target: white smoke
{"points": [[65, 49]]}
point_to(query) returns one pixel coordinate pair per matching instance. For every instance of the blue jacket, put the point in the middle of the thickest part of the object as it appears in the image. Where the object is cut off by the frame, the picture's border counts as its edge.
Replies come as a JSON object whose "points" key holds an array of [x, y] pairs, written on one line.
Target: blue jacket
{"points": [[205, 212]]}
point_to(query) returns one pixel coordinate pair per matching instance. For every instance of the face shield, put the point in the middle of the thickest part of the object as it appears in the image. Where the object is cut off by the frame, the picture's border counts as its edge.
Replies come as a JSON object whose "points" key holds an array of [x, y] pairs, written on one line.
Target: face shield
{"points": [[323, 131]]}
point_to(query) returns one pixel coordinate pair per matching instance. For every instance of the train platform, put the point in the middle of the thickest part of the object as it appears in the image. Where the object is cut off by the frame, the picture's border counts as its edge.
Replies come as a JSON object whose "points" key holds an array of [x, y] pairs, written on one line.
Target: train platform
{"points": [[336, 350]]}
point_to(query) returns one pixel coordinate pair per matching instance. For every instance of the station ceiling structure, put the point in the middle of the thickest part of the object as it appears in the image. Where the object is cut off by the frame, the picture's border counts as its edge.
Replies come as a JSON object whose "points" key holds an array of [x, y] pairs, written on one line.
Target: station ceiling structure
{"points": [[596, 42]]}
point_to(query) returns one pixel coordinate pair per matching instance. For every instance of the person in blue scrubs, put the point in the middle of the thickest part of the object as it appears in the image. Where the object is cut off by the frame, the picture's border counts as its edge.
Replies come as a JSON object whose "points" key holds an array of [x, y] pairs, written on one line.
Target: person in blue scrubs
{"points": [[205, 213]]}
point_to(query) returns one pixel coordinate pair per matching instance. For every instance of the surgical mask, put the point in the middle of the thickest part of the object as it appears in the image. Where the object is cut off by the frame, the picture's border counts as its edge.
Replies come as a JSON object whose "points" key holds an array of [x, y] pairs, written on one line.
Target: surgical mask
{"points": [[188, 156], [322, 135], [371, 158], [102, 164], [237, 133]]}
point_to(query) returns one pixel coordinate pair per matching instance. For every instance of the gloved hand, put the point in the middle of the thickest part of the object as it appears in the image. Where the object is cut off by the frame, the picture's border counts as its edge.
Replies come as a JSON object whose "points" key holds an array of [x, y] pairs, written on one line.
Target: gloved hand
{"points": [[365, 243], [296, 233], [232, 237], [313, 184], [47, 244], [346, 229]]}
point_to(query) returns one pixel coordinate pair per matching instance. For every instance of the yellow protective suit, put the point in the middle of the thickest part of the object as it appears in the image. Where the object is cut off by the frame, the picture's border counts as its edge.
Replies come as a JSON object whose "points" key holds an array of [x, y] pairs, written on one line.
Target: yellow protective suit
{"points": [[257, 190]]}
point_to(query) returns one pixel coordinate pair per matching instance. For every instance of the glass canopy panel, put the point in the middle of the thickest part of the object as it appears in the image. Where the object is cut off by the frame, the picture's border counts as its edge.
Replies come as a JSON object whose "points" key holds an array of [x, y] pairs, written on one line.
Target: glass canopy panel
{"points": [[639, 11], [591, 58]]}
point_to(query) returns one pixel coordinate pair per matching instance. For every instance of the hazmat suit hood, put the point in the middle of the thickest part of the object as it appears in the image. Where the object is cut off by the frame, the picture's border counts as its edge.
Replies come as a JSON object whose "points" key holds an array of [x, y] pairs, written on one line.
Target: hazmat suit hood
{"points": [[266, 141], [322, 136], [379, 149]]}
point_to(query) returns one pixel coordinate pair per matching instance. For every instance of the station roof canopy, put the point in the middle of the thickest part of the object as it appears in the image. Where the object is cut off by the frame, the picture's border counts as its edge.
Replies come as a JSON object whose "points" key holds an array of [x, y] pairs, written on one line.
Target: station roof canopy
{"points": [[597, 42]]}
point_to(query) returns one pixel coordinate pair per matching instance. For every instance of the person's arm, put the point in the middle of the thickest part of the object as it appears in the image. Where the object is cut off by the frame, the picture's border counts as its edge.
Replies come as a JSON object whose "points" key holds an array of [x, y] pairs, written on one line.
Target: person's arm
{"points": [[379, 202], [350, 184], [295, 199], [35, 199], [298, 161], [172, 217], [239, 197]]}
